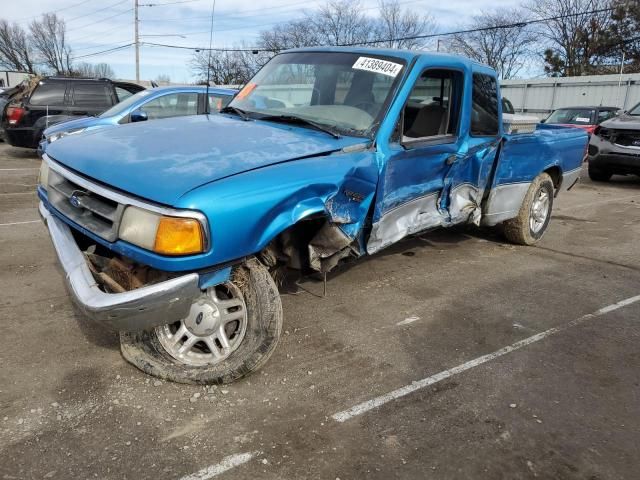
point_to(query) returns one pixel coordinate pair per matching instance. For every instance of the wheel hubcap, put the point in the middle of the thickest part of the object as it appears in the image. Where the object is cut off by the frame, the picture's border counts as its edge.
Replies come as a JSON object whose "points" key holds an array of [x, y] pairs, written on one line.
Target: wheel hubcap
{"points": [[214, 328], [539, 211]]}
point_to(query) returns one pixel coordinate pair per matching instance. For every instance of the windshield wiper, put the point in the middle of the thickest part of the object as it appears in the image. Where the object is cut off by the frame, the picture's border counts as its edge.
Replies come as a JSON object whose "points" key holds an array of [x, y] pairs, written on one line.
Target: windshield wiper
{"points": [[293, 119], [238, 111]]}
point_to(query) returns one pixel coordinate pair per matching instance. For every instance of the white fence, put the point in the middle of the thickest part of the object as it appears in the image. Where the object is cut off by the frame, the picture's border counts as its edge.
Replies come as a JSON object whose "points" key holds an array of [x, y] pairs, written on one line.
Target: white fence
{"points": [[541, 96]]}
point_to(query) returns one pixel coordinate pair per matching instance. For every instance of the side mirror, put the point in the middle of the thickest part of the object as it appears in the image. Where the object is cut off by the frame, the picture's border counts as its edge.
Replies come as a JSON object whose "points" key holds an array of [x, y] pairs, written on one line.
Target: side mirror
{"points": [[139, 116], [543, 120]]}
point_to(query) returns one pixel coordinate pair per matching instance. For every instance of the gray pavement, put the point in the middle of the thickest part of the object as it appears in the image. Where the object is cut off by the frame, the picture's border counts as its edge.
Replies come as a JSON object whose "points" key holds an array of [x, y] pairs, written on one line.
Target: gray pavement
{"points": [[563, 405]]}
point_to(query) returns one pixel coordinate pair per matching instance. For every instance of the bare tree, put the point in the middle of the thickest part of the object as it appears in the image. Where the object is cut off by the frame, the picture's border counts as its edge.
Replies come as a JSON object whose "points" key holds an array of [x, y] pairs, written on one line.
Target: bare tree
{"points": [[341, 22], [163, 79], [507, 50], [48, 37], [293, 34], [574, 35], [89, 70], [103, 70], [395, 25], [225, 68], [15, 50]]}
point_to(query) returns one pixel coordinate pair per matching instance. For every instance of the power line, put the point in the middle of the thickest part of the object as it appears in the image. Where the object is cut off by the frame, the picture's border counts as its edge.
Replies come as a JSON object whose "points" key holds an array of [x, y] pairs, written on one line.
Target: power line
{"points": [[480, 29], [96, 11], [167, 3], [54, 11], [398, 39], [104, 51], [100, 21]]}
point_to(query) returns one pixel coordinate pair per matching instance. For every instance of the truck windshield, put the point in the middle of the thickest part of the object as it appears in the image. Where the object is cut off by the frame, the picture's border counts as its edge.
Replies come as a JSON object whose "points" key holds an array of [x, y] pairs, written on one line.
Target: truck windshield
{"points": [[572, 116], [345, 92]]}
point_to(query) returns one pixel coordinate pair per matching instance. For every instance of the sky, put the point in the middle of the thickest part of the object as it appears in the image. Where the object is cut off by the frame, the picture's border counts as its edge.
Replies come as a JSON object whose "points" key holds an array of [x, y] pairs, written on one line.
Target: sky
{"points": [[97, 25]]}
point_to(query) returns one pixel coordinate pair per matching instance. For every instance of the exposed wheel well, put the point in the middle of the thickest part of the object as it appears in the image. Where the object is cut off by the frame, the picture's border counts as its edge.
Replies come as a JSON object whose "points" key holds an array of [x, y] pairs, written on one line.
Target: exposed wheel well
{"points": [[556, 175], [290, 248]]}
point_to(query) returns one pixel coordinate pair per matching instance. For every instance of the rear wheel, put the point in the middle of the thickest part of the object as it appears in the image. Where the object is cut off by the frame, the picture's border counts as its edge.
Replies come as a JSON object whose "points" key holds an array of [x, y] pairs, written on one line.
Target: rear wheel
{"points": [[535, 213], [599, 175], [231, 330]]}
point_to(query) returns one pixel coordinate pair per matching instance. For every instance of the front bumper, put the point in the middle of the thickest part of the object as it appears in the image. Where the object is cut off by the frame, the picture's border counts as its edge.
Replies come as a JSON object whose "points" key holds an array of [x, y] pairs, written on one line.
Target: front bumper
{"points": [[139, 309], [616, 162]]}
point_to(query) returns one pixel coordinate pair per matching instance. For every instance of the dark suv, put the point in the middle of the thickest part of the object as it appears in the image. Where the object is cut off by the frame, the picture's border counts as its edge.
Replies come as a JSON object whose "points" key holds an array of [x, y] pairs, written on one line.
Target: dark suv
{"points": [[56, 100]]}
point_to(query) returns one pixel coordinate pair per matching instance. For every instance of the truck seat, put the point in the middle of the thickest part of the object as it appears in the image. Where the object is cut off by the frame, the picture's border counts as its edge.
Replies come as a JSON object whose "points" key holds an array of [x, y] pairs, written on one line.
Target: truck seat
{"points": [[431, 120]]}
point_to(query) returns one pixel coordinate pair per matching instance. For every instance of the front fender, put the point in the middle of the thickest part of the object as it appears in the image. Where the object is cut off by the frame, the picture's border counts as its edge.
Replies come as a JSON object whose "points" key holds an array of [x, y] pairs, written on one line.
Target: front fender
{"points": [[248, 210]]}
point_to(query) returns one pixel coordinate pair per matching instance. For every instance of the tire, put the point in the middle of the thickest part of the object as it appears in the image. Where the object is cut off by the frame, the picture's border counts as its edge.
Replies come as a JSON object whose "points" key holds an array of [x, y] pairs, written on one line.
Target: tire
{"points": [[530, 225], [262, 319], [597, 175]]}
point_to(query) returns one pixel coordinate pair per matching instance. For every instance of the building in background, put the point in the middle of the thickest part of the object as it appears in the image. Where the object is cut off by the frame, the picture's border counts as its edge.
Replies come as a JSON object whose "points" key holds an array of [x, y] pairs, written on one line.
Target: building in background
{"points": [[9, 78], [541, 96]]}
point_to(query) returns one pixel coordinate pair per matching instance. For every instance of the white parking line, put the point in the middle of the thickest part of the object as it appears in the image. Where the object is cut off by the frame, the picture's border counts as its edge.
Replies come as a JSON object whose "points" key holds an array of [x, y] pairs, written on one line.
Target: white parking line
{"points": [[18, 223], [227, 463], [407, 321], [425, 382]]}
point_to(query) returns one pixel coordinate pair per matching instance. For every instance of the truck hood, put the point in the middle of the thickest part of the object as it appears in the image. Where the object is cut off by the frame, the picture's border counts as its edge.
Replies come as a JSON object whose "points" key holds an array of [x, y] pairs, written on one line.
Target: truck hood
{"points": [[81, 122], [623, 122], [161, 160]]}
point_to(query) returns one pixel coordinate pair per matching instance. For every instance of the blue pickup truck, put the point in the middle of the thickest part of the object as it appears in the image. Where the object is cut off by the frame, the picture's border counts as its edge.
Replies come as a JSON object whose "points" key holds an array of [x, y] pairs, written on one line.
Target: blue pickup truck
{"points": [[173, 231]]}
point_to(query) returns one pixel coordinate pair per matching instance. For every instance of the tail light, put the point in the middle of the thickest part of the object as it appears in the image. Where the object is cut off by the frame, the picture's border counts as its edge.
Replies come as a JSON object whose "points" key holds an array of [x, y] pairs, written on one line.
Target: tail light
{"points": [[14, 114]]}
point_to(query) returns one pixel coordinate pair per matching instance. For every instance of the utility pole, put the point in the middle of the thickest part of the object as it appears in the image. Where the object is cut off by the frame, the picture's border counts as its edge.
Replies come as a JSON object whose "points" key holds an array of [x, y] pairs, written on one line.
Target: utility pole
{"points": [[137, 41]]}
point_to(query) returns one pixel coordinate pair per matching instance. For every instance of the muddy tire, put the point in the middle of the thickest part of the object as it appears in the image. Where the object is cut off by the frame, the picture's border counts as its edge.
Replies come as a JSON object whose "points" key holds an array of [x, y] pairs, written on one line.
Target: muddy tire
{"points": [[598, 175], [535, 213], [256, 336]]}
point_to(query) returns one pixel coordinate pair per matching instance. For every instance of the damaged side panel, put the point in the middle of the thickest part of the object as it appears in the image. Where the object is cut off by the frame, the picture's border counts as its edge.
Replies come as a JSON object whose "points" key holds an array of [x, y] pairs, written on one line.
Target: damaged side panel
{"points": [[436, 186]]}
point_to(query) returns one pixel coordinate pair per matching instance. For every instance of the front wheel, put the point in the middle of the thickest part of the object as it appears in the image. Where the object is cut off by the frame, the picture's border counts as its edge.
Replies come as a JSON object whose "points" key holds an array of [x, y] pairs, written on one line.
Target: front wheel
{"points": [[231, 330], [533, 219]]}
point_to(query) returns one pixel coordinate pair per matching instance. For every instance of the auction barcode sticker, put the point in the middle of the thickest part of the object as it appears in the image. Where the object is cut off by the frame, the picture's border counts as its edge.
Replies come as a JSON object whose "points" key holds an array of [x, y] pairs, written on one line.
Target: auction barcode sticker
{"points": [[376, 65]]}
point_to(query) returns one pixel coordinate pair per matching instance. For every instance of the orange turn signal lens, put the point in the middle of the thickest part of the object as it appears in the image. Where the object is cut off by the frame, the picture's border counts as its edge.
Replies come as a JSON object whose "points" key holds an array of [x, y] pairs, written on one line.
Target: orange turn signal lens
{"points": [[179, 236]]}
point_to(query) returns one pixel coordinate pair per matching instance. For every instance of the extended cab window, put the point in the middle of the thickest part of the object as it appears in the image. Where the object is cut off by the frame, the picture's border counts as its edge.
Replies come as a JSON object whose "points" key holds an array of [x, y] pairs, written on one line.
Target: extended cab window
{"points": [[51, 94], [484, 115], [91, 95], [433, 108]]}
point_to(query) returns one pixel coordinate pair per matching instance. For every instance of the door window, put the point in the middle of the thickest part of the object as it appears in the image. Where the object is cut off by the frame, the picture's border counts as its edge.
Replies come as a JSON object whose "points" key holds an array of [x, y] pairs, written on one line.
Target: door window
{"points": [[484, 115], [51, 94], [172, 105], [94, 95], [218, 102], [433, 107], [122, 93]]}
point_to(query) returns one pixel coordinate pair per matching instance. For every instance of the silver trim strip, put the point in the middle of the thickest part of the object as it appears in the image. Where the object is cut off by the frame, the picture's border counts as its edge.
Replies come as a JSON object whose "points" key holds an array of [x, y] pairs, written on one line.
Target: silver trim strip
{"points": [[128, 201], [140, 309]]}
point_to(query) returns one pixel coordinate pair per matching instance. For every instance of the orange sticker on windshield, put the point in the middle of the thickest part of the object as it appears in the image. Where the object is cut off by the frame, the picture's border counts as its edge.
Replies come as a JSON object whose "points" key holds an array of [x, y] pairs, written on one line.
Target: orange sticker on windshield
{"points": [[248, 88]]}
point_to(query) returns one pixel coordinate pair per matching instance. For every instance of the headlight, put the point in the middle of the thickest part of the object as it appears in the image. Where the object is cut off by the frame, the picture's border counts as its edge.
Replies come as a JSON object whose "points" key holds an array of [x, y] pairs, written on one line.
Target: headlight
{"points": [[59, 135], [162, 234], [43, 175]]}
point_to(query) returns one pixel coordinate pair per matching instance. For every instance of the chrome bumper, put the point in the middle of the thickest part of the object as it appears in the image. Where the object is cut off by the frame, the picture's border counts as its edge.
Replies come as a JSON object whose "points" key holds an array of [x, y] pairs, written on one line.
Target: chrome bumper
{"points": [[139, 309]]}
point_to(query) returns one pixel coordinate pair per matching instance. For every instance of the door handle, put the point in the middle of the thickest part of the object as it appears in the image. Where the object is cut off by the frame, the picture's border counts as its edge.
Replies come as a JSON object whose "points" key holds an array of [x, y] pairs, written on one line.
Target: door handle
{"points": [[79, 112]]}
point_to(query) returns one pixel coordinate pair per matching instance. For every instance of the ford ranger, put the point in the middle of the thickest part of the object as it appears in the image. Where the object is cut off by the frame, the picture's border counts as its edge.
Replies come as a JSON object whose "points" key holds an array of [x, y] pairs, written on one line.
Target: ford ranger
{"points": [[172, 232]]}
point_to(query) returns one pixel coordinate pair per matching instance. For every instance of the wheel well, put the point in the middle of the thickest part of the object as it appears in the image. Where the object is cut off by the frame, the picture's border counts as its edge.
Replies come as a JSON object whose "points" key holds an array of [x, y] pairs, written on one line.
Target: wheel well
{"points": [[556, 176], [290, 248]]}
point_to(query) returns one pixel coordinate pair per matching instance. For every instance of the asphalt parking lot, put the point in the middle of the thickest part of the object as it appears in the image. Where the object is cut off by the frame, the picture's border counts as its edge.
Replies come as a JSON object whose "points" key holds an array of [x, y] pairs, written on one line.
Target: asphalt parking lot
{"points": [[450, 355]]}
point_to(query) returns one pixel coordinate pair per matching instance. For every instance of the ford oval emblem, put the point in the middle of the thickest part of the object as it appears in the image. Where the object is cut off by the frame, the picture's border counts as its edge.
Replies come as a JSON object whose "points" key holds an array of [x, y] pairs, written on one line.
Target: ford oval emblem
{"points": [[74, 200]]}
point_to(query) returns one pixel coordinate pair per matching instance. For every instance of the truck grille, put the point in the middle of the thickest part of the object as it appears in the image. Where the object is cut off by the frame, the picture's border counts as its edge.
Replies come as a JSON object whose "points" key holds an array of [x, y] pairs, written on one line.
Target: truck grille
{"points": [[96, 213], [627, 139]]}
